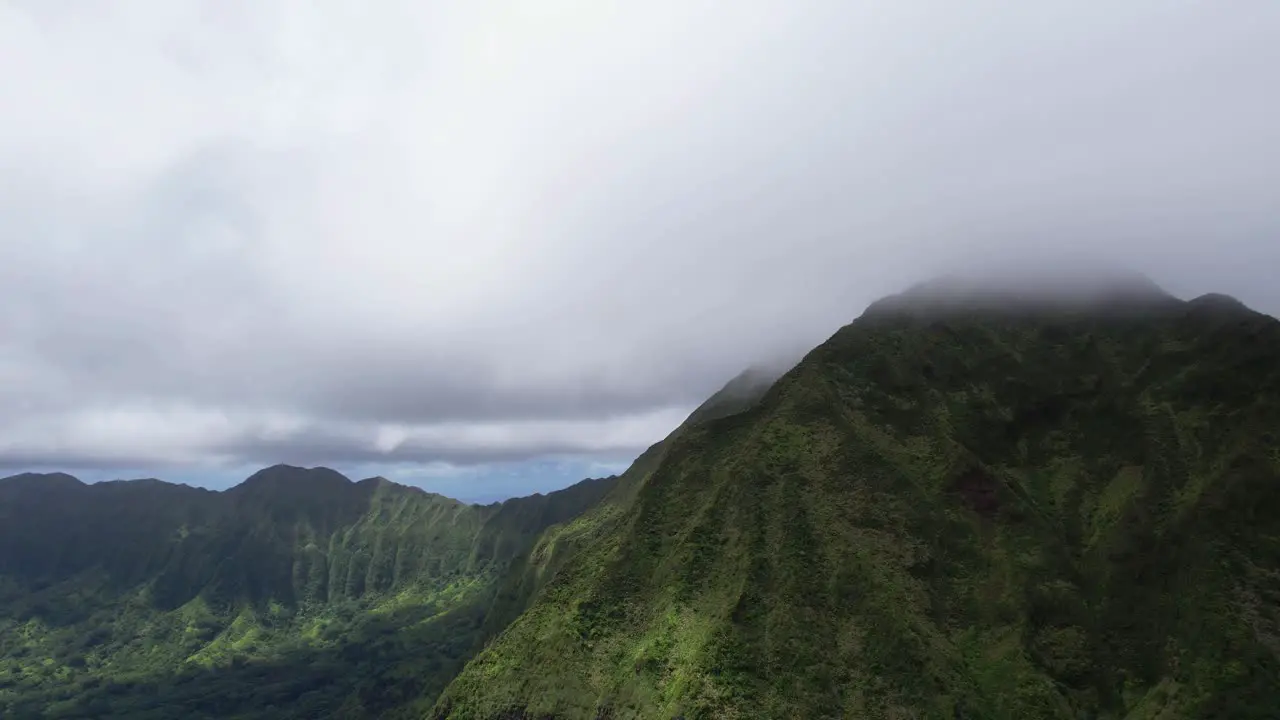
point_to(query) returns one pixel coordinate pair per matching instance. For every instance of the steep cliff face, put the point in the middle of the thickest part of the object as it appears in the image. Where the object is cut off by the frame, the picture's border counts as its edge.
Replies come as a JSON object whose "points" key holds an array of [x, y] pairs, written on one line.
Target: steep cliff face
{"points": [[961, 505]]}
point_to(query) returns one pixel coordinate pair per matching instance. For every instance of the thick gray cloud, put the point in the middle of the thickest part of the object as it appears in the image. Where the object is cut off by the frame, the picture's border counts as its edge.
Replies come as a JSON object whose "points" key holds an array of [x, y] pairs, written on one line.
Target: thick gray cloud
{"points": [[237, 232]]}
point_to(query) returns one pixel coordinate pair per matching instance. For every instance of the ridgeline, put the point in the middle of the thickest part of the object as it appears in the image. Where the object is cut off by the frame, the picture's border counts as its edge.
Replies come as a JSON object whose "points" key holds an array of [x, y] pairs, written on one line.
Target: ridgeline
{"points": [[971, 502]]}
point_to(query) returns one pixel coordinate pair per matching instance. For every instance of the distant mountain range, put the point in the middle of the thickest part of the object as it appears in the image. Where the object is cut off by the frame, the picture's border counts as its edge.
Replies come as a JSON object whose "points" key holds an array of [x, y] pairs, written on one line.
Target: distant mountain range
{"points": [[297, 593], [974, 501]]}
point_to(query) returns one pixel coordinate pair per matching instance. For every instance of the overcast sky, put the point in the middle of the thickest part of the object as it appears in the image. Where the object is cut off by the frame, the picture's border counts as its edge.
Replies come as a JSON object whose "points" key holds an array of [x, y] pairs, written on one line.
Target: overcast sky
{"points": [[494, 245]]}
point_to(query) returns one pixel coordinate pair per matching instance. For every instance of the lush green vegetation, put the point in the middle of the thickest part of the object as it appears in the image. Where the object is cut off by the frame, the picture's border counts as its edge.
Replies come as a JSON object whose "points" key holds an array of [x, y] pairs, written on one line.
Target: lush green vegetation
{"points": [[297, 594], [962, 505], [951, 509]]}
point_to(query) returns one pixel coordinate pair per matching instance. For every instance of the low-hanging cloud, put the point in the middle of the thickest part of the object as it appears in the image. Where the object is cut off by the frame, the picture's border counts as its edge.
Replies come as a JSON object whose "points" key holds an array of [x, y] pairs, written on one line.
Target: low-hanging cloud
{"points": [[463, 232]]}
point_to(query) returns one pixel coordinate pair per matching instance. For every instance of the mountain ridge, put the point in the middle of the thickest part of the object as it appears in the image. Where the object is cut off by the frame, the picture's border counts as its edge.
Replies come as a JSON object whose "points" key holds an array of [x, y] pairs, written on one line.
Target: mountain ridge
{"points": [[961, 504], [998, 512], [259, 478], [299, 573]]}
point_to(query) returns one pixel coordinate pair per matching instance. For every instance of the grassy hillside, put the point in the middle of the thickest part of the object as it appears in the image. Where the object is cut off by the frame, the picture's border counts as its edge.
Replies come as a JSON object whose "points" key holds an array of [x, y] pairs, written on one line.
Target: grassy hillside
{"points": [[962, 505], [297, 594]]}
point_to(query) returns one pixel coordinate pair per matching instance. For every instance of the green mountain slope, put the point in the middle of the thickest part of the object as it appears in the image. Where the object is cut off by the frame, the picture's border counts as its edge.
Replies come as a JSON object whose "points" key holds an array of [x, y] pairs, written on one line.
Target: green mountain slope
{"points": [[568, 544], [297, 594], [965, 504]]}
